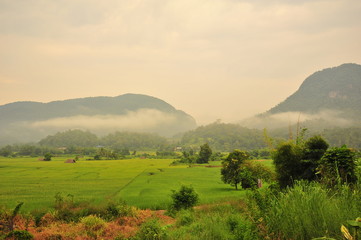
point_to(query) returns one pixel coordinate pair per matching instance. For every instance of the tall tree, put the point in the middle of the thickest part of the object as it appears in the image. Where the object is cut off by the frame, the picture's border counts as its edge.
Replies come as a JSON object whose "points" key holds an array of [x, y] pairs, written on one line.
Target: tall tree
{"points": [[204, 154], [232, 167]]}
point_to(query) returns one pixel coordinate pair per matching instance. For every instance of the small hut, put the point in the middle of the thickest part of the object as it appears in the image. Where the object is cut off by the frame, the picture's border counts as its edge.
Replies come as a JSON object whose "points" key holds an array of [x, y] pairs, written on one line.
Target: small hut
{"points": [[70, 161]]}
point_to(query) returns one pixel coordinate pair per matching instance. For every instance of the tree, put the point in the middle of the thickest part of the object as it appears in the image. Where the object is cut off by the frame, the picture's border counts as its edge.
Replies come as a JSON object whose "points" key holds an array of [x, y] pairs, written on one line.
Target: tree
{"points": [[296, 161], [47, 156], [287, 159], [185, 198], [251, 172], [232, 167], [204, 154], [338, 165], [314, 148]]}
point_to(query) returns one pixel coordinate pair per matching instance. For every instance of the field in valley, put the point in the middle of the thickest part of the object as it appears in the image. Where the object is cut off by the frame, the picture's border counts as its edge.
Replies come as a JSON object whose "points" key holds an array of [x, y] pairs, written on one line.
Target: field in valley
{"points": [[145, 183]]}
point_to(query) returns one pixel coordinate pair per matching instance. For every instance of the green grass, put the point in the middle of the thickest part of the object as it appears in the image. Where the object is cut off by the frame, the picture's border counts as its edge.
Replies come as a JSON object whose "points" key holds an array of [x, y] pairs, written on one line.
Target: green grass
{"points": [[145, 183]]}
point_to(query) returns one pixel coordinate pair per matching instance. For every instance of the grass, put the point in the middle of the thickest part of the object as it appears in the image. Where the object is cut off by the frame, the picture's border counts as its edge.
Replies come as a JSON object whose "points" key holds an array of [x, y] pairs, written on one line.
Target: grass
{"points": [[145, 183]]}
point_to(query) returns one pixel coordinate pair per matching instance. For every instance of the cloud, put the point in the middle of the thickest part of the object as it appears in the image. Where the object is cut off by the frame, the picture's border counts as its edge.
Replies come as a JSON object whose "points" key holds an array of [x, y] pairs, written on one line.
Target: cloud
{"points": [[141, 120], [244, 51]]}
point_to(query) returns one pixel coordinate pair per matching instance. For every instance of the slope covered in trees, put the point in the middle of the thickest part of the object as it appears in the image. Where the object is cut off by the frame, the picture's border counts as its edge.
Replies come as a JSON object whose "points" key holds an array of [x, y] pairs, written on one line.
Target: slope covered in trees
{"points": [[335, 88], [31, 121], [224, 137]]}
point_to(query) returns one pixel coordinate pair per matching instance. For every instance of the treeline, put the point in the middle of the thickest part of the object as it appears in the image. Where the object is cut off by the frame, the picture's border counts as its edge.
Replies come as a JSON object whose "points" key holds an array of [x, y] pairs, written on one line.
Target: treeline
{"points": [[225, 137], [117, 140], [335, 136], [221, 137]]}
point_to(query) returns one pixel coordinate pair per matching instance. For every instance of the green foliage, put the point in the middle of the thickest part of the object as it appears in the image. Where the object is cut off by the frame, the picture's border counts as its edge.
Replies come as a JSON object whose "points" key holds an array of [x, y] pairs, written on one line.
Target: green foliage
{"points": [[306, 211], [251, 172], [70, 138], [185, 217], [313, 150], [6, 151], [231, 167], [93, 225], [296, 161], [224, 137], [151, 230], [19, 235], [133, 140], [48, 156], [185, 198], [204, 154], [221, 222], [338, 166], [350, 136], [287, 159], [69, 210]]}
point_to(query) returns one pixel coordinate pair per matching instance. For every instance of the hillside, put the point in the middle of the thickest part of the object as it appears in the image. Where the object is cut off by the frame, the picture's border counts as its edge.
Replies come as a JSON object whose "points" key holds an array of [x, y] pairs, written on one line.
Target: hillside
{"points": [[30, 121], [224, 137], [337, 88], [327, 98]]}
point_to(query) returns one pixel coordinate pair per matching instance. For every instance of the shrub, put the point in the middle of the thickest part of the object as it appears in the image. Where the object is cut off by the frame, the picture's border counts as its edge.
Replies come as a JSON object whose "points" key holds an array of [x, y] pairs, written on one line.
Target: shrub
{"points": [[185, 198], [184, 217], [19, 235], [94, 226], [151, 230], [251, 172], [337, 166], [47, 156]]}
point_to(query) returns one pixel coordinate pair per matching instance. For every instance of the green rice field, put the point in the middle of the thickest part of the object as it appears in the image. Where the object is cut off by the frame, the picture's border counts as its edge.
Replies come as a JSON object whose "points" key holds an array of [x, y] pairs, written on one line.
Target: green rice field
{"points": [[145, 183]]}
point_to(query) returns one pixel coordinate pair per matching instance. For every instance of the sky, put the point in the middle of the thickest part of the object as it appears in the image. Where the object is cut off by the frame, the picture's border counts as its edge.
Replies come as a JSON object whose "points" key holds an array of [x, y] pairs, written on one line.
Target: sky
{"points": [[214, 59]]}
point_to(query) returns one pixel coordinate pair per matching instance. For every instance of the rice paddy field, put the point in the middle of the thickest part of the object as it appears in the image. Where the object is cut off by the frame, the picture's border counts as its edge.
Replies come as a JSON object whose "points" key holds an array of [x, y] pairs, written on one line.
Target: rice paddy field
{"points": [[145, 183]]}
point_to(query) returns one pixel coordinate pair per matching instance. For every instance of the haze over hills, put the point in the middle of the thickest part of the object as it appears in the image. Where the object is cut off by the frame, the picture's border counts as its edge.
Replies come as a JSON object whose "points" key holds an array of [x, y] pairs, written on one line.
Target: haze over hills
{"points": [[30, 121], [327, 98]]}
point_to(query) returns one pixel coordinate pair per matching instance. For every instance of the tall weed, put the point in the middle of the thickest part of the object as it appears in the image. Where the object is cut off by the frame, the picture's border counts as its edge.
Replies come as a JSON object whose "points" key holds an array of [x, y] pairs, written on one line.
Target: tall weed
{"points": [[308, 210]]}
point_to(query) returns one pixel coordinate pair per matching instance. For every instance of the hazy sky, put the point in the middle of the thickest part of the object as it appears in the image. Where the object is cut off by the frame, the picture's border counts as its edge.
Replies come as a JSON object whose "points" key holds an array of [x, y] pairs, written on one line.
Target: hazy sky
{"points": [[214, 59]]}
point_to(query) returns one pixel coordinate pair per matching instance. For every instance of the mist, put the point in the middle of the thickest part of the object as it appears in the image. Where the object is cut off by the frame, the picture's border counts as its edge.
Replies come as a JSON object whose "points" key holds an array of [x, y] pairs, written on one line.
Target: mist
{"points": [[322, 119], [141, 120]]}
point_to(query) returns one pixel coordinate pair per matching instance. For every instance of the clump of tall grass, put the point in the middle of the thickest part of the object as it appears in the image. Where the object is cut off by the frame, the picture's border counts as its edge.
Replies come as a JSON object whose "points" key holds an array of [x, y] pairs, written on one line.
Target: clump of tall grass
{"points": [[309, 210], [215, 222]]}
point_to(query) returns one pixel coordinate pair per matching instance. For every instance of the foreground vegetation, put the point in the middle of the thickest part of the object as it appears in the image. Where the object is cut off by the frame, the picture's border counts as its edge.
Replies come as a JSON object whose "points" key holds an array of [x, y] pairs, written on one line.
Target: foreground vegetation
{"points": [[316, 194]]}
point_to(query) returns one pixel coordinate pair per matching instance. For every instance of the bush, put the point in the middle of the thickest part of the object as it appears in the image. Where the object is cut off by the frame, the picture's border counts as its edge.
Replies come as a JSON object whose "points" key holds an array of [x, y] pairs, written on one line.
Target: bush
{"points": [[338, 166], [19, 235], [47, 156], [151, 230], [93, 225], [251, 172], [184, 217], [185, 198]]}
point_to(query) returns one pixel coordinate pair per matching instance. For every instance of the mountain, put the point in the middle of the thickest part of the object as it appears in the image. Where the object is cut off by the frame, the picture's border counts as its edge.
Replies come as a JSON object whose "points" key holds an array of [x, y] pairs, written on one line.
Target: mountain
{"points": [[30, 121], [337, 88], [327, 98]]}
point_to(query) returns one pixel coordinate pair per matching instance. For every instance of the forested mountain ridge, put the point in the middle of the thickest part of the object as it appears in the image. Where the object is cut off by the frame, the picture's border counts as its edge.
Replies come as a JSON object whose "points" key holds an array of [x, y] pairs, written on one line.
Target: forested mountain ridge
{"points": [[31, 121], [337, 88], [24, 111], [326, 99]]}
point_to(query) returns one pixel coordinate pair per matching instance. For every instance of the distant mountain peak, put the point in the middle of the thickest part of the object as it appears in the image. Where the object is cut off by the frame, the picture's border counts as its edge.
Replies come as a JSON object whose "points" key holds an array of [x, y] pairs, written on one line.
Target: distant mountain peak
{"points": [[327, 98], [127, 112], [336, 88]]}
